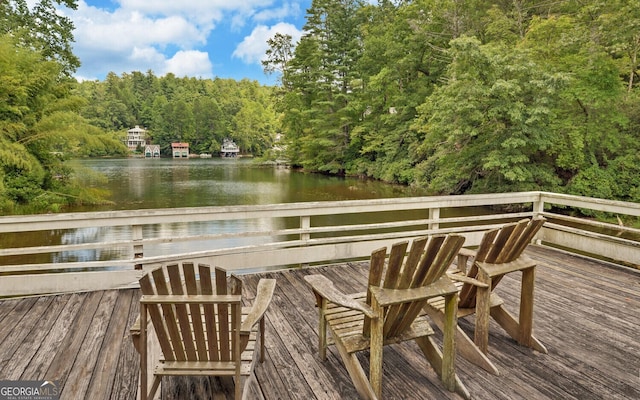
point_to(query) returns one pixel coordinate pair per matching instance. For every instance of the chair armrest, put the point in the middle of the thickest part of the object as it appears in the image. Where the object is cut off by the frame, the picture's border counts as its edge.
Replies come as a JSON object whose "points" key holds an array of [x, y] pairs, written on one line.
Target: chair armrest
{"points": [[467, 252], [467, 279], [264, 294], [521, 263], [388, 297], [325, 288]]}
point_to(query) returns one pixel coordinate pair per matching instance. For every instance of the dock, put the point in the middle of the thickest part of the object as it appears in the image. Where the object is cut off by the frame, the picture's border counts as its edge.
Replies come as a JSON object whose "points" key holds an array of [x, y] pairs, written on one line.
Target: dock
{"points": [[586, 314]]}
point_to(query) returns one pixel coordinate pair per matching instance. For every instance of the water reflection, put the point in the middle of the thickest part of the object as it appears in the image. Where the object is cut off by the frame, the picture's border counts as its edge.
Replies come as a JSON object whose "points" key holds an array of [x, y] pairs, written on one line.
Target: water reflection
{"points": [[166, 183]]}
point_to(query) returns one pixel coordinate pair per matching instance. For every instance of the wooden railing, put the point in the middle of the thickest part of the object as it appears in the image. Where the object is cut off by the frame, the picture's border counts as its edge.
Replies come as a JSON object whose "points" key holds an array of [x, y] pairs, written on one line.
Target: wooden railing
{"points": [[260, 237]]}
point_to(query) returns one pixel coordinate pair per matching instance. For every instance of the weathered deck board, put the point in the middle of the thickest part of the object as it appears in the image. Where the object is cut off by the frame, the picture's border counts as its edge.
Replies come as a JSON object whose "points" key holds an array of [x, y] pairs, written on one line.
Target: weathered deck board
{"points": [[28, 347], [586, 313], [125, 385], [108, 355]]}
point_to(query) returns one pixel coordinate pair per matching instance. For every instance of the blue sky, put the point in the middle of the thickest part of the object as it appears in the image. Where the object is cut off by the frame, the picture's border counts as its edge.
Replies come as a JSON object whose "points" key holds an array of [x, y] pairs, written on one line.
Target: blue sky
{"points": [[194, 38]]}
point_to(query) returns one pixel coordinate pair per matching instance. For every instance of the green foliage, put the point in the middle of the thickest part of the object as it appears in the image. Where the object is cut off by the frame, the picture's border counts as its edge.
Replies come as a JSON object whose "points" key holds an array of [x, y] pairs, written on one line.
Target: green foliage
{"points": [[39, 127], [486, 128], [324, 80], [202, 112], [473, 96], [41, 28]]}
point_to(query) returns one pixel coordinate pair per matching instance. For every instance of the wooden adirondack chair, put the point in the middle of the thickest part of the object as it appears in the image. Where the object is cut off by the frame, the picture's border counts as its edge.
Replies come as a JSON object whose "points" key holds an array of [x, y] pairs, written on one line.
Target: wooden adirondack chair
{"points": [[499, 253], [390, 311], [202, 330]]}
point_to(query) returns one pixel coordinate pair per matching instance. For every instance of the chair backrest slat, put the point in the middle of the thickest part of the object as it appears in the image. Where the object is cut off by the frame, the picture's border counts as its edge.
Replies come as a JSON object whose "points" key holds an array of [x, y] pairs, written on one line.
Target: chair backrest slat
{"points": [[376, 267], [427, 261], [223, 317], [440, 253], [169, 316], [486, 243], [437, 253], [499, 243], [146, 287], [196, 311], [526, 237], [210, 322], [194, 332], [413, 260], [498, 246], [182, 312], [394, 266], [407, 275]]}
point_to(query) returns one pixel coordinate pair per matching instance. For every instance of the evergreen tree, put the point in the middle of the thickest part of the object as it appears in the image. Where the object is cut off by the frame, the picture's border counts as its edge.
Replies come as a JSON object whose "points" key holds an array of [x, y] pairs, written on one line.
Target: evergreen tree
{"points": [[324, 78]]}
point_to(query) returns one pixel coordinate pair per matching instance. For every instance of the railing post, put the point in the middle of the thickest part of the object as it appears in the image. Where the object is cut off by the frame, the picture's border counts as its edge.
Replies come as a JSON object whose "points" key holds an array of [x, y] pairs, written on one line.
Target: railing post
{"points": [[136, 236], [434, 216], [305, 223], [538, 208]]}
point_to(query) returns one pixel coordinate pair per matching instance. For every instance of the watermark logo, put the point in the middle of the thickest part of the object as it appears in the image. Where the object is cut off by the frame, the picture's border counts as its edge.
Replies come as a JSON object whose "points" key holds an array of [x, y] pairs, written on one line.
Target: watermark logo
{"points": [[29, 390]]}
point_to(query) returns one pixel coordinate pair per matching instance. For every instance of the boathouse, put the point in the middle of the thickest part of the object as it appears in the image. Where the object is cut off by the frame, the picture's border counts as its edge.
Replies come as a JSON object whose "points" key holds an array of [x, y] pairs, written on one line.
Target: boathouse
{"points": [[180, 150], [152, 151]]}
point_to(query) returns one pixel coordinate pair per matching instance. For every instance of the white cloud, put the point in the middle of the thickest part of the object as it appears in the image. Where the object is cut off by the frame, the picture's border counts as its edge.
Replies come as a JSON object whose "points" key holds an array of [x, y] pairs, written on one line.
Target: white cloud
{"points": [[125, 40], [122, 30], [284, 11], [146, 55], [173, 36], [189, 63], [201, 11], [253, 47]]}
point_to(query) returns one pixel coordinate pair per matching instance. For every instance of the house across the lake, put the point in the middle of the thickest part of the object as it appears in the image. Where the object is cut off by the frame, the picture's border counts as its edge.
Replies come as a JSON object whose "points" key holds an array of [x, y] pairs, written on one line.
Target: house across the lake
{"points": [[180, 150], [136, 137], [229, 148]]}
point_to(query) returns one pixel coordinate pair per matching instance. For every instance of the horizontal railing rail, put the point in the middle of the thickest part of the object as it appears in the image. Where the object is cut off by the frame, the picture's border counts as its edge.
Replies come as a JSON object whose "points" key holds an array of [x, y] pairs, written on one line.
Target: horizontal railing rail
{"points": [[101, 250]]}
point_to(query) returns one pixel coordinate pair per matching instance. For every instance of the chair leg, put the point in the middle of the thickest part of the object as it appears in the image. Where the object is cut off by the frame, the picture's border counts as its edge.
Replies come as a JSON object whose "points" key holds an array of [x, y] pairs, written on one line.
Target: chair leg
{"points": [[322, 329], [511, 326], [435, 358], [356, 372], [448, 373], [142, 350], [238, 388], [262, 324], [522, 329], [376, 348], [526, 307], [154, 387], [464, 345], [483, 304]]}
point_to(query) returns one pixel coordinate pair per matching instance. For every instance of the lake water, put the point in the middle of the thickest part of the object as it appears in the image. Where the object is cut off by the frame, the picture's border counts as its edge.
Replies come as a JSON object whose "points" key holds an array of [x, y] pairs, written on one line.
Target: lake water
{"points": [[137, 183]]}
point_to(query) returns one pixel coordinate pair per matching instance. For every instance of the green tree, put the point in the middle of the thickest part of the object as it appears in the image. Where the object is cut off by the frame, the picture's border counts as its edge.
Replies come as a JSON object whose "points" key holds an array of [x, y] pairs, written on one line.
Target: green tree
{"points": [[39, 127], [486, 129], [619, 25], [42, 29], [588, 123], [206, 113], [404, 57], [278, 55], [324, 75]]}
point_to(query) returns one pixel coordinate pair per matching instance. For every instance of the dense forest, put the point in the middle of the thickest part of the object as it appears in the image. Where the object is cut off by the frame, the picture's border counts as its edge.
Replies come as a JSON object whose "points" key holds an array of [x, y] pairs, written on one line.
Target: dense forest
{"points": [[201, 112], [467, 96], [456, 96]]}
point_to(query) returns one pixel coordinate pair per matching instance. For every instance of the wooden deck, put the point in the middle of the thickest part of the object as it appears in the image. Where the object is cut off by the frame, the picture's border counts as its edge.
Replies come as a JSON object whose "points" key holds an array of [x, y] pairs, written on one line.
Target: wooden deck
{"points": [[587, 314]]}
